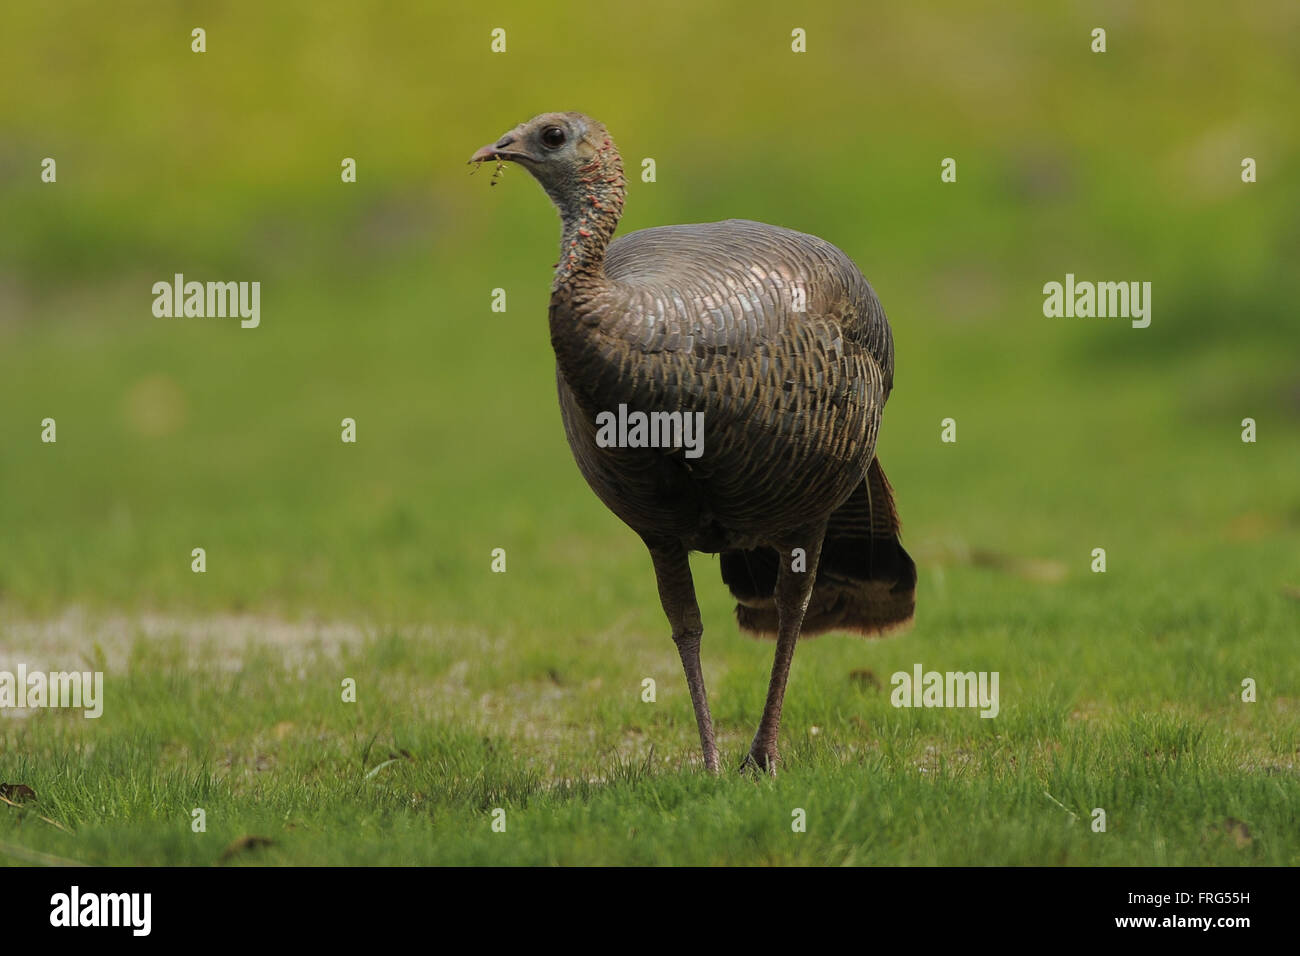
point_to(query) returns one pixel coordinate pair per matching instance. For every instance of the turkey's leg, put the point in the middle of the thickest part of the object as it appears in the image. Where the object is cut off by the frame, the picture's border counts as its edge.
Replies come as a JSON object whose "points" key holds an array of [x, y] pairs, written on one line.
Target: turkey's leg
{"points": [[793, 590], [677, 594]]}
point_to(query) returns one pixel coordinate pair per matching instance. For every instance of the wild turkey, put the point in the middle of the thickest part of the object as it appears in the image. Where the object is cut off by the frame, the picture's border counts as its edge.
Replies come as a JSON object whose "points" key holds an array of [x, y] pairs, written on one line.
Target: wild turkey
{"points": [[780, 342]]}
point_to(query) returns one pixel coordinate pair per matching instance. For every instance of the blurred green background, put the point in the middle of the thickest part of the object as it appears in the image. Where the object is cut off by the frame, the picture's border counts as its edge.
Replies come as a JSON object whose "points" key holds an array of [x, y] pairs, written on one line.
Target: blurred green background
{"points": [[375, 295], [1072, 433]]}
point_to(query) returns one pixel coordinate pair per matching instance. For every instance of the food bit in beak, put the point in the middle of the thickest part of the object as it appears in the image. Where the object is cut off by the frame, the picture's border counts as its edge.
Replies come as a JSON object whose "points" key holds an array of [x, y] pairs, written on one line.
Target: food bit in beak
{"points": [[496, 173]]}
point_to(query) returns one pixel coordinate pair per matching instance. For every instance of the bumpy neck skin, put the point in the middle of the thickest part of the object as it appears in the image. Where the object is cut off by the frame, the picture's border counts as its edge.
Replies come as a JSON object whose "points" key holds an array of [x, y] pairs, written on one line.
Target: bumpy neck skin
{"points": [[590, 205]]}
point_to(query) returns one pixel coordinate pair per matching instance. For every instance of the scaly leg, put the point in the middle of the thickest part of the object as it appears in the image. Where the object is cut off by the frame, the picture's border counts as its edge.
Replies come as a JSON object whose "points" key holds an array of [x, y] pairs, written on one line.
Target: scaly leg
{"points": [[793, 590], [677, 594]]}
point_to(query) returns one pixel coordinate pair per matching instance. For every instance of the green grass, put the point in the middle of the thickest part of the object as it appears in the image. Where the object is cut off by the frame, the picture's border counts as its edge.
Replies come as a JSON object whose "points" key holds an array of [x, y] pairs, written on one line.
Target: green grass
{"points": [[587, 773], [522, 690]]}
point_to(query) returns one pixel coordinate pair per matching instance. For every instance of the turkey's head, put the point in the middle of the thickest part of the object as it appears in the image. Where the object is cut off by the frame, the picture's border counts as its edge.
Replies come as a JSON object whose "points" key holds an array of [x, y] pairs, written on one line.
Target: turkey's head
{"points": [[570, 154]]}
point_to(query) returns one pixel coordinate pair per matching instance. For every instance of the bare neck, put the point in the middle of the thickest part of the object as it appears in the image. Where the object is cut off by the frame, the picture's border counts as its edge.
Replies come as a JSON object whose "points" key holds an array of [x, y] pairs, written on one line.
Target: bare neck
{"points": [[590, 206]]}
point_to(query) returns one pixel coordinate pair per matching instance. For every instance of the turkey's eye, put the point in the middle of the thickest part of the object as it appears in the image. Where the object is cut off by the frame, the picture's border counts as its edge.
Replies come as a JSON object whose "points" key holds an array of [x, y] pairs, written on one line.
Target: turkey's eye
{"points": [[552, 137]]}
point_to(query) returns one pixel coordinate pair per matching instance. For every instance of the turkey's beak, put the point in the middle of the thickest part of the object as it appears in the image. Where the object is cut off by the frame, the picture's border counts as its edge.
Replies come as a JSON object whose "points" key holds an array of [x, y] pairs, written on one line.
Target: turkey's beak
{"points": [[500, 150]]}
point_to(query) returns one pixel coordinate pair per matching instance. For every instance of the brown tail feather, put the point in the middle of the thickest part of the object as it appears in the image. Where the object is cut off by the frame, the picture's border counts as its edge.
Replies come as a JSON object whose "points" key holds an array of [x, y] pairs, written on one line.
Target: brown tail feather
{"points": [[866, 582]]}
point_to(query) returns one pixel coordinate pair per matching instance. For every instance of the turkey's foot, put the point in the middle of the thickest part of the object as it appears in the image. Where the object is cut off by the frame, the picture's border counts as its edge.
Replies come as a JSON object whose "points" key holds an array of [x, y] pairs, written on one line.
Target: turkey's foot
{"points": [[760, 760]]}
